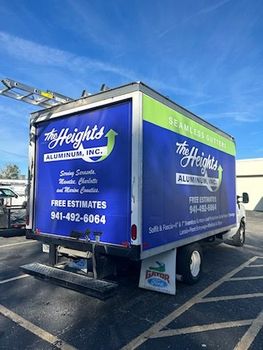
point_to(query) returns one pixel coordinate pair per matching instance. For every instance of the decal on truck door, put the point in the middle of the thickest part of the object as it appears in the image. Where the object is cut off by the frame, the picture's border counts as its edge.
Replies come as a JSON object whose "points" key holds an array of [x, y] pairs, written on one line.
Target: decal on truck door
{"points": [[83, 175], [188, 177]]}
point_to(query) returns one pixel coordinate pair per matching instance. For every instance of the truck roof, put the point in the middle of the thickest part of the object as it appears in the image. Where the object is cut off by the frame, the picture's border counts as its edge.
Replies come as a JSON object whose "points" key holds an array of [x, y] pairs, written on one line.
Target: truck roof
{"points": [[122, 90]]}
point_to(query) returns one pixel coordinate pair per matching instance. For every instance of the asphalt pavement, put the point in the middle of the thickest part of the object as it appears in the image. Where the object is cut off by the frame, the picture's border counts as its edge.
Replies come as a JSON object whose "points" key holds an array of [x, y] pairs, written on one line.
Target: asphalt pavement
{"points": [[222, 311]]}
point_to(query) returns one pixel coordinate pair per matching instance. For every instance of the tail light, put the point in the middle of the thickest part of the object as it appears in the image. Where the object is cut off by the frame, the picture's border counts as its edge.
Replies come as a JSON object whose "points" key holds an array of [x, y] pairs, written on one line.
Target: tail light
{"points": [[134, 232]]}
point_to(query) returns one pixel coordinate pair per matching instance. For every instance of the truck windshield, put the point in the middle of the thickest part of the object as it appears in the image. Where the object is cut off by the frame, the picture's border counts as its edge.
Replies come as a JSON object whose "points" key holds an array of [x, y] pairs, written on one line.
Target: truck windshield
{"points": [[6, 192]]}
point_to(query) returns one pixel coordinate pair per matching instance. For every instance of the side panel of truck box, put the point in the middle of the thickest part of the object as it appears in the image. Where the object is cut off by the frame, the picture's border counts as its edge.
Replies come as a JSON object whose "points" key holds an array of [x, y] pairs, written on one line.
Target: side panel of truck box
{"points": [[83, 175], [188, 179]]}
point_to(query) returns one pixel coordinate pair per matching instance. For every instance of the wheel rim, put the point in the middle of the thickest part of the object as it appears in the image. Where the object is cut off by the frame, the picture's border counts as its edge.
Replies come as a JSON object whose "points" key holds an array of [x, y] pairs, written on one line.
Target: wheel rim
{"points": [[195, 263]]}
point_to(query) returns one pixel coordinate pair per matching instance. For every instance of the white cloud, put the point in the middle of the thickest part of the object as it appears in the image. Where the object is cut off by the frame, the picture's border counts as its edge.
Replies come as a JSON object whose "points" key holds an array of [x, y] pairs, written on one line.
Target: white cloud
{"points": [[43, 55], [96, 25], [208, 9], [236, 116], [213, 7], [10, 113]]}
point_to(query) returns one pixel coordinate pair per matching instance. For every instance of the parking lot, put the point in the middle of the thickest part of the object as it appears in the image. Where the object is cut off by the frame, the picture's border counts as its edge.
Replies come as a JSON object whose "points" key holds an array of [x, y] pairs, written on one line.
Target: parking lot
{"points": [[223, 311]]}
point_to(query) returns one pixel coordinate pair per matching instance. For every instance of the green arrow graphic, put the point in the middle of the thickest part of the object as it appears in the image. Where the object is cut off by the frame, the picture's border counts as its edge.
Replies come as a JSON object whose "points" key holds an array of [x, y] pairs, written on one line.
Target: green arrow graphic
{"points": [[220, 176], [111, 134]]}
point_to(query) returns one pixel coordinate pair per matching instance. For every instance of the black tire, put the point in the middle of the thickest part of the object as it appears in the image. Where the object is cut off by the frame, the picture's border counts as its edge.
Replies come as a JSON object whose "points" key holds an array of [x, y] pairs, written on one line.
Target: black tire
{"points": [[240, 237], [189, 263]]}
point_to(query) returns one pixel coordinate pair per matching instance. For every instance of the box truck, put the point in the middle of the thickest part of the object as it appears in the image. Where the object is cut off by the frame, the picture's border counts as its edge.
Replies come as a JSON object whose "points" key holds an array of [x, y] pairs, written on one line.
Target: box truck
{"points": [[129, 173]]}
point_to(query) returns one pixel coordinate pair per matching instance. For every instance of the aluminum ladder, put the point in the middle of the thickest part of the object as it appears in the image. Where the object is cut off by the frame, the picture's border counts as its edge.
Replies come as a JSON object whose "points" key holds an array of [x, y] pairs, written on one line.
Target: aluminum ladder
{"points": [[33, 96]]}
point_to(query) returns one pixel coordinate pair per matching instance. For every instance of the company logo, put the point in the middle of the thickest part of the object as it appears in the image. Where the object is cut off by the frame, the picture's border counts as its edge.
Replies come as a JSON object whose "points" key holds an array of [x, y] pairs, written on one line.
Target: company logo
{"points": [[193, 158], [159, 268], [76, 137], [156, 276], [157, 282]]}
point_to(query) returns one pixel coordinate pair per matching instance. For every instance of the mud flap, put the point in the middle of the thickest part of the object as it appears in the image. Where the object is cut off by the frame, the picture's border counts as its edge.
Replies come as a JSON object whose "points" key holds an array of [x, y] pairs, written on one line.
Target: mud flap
{"points": [[158, 273]]}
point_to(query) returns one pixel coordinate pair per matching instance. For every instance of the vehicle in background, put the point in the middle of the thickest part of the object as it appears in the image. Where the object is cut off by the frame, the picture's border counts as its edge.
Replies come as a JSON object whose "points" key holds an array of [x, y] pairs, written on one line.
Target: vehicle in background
{"points": [[11, 216], [19, 187]]}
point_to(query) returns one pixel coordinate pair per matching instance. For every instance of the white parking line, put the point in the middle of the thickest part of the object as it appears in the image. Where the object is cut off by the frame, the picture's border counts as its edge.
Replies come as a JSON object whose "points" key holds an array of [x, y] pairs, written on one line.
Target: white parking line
{"points": [[142, 338], [231, 297], [251, 333], [202, 328], [259, 265], [13, 279], [41, 333], [13, 244], [249, 278]]}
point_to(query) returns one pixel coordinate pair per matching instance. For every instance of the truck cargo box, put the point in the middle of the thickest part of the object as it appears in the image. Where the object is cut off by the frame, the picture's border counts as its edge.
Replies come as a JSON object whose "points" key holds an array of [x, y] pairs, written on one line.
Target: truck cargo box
{"points": [[128, 170]]}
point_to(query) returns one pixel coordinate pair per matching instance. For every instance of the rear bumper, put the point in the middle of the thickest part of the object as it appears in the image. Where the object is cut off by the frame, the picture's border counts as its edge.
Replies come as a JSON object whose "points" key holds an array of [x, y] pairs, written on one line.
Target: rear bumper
{"points": [[132, 252]]}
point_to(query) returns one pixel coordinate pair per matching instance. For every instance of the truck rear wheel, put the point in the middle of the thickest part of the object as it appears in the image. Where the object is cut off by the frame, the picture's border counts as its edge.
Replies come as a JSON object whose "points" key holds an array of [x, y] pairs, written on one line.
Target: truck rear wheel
{"points": [[240, 237], [189, 263]]}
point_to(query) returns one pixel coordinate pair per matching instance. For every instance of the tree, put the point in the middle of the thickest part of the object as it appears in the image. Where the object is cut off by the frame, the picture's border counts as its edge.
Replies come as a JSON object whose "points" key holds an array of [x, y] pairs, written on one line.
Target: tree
{"points": [[10, 171]]}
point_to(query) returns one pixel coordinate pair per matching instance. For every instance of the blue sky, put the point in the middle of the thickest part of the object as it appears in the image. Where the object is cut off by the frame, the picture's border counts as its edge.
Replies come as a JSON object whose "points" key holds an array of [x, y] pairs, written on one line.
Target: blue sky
{"points": [[205, 55]]}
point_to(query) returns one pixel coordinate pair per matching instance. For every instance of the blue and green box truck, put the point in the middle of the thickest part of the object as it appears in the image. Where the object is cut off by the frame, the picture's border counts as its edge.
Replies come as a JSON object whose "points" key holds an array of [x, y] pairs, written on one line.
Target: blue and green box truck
{"points": [[127, 172]]}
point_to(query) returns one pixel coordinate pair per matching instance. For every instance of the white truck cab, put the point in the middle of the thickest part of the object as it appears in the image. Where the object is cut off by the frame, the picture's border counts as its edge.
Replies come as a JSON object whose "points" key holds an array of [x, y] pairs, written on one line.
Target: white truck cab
{"points": [[238, 234]]}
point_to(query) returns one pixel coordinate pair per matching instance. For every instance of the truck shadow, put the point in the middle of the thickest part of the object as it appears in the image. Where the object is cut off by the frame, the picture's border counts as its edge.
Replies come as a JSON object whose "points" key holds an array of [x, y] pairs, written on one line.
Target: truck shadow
{"points": [[12, 232]]}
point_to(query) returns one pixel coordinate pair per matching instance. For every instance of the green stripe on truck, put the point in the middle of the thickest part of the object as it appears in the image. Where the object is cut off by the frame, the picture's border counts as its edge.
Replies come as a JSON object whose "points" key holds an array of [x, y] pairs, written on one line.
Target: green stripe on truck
{"points": [[157, 113]]}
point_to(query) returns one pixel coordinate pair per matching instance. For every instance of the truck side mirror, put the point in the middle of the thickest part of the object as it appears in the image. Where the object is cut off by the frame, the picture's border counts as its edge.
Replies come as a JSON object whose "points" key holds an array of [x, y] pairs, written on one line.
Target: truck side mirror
{"points": [[245, 197]]}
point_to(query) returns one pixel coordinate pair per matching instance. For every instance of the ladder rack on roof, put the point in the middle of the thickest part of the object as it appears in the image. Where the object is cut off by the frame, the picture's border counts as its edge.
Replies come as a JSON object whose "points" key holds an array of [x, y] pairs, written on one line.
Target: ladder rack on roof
{"points": [[36, 97]]}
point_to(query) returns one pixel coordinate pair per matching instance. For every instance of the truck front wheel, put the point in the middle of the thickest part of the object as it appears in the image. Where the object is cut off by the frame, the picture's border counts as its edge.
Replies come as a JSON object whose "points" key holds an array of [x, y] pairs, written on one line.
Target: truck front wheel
{"points": [[240, 236], [189, 263]]}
